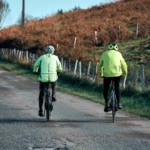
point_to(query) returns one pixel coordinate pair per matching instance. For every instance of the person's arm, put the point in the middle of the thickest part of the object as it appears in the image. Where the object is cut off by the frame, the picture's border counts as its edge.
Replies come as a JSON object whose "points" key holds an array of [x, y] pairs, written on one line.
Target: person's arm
{"points": [[59, 67], [124, 82], [37, 65], [124, 71], [123, 66], [100, 68]]}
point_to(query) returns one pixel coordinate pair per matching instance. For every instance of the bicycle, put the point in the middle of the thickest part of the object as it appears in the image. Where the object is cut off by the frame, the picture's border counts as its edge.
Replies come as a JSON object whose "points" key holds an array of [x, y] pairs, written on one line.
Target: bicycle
{"points": [[113, 102], [113, 106], [48, 102]]}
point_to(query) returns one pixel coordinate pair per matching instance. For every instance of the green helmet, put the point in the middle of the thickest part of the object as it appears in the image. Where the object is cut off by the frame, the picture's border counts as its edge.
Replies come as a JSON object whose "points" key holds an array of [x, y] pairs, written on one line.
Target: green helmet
{"points": [[113, 46]]}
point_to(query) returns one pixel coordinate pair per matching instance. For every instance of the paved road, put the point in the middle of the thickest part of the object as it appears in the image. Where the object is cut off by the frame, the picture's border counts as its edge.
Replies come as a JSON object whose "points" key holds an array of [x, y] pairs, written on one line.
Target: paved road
{"points": [[76, 124]]}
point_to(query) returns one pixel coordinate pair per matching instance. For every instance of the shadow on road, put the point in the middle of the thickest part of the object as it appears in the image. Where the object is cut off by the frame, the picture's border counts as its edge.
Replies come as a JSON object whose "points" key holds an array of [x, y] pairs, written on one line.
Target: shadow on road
{"points": [[43, 120], [124, 121]]}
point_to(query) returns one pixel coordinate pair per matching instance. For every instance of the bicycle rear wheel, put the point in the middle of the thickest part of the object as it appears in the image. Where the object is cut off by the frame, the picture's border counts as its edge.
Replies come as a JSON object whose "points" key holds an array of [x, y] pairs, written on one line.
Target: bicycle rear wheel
{"points": [[113, 111], [48, 113], [113, 102]]}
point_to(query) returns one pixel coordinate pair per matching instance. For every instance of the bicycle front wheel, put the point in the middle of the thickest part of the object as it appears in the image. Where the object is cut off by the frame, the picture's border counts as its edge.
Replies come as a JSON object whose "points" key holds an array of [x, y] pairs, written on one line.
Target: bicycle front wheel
{"points": [[48, 111], [113, 102], [47, 106], [47, 114], [113, 111]]}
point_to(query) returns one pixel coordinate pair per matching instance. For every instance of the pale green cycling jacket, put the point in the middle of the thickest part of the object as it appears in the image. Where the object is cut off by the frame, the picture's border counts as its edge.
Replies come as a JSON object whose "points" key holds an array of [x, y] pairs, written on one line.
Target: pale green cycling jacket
{"points": [[112, 64], [49, 65]]}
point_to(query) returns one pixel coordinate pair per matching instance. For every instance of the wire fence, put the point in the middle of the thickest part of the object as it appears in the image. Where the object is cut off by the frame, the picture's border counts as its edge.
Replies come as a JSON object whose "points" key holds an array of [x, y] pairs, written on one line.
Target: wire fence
{"points": [[138, 75]]}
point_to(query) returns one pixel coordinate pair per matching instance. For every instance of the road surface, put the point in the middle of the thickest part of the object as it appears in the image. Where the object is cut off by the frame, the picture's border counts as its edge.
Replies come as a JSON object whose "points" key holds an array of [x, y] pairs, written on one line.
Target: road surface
{"points": [[76, 123]]}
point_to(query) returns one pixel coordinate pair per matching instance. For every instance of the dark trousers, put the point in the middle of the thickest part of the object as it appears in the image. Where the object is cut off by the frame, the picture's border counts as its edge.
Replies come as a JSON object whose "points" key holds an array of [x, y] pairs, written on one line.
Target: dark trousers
{"points": [[42, 87], [107, 82]]}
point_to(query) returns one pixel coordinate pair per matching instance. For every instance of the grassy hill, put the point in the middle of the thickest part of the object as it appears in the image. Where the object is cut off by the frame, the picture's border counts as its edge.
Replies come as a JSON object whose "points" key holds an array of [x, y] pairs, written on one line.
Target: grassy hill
{"points": [[125, 22]]}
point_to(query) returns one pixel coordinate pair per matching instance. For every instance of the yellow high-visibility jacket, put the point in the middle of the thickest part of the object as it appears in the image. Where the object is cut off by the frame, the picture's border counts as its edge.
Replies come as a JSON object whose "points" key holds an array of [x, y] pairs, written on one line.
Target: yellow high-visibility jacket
{"points": [[49, 65], [112, 64]]}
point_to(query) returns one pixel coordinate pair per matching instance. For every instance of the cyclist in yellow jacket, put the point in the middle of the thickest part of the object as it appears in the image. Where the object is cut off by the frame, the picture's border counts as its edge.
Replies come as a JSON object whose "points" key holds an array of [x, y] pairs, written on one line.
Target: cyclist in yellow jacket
{"points": [[49, 65], [112, 66]]}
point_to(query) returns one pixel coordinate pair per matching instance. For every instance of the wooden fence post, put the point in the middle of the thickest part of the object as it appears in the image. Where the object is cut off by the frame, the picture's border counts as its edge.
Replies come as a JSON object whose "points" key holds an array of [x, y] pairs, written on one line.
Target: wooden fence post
{"points": [[4, 51], [1, 53], [137, 29], [33, 58], [62, 62], [12, 53], [69, 66], [30, 58], [149, 66], [9, 54], [27, 59], [96, 71], [96, 39], [119, 31], [75, 40], [80, 71], [89, 67], [142, 76], [75, 68], [135, 76], [19, 55], [57, 46], [64, 65], [7, 51], [15, 52]]}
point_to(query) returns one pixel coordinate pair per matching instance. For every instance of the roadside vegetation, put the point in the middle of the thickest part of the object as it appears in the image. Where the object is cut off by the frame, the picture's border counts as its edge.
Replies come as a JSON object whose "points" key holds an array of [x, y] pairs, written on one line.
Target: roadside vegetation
{"points": [[133, 101]]}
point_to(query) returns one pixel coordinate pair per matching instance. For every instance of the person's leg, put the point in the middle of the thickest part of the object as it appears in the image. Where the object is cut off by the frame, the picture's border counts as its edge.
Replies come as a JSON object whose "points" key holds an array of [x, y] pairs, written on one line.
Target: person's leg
{"points": [[117, 90], [47, 91], [107, 82], [54, 91], [41, 98]]}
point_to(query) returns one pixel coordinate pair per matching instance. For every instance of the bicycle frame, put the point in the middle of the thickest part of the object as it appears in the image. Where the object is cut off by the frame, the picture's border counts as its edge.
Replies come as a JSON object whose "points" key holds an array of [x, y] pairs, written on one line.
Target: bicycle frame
{"points": [[113, 99]]}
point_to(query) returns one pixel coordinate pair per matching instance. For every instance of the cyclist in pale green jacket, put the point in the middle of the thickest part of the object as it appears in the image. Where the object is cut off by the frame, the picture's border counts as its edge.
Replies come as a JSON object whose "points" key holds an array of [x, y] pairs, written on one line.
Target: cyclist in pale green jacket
{"points": [[112, 66], [49, 66]]}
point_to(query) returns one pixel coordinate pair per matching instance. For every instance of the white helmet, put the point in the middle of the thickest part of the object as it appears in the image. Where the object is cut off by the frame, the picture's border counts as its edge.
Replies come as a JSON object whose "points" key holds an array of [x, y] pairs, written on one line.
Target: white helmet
{"points": [[49, 49]]}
